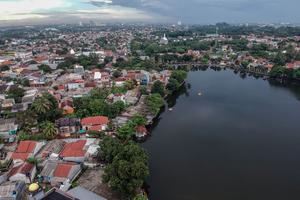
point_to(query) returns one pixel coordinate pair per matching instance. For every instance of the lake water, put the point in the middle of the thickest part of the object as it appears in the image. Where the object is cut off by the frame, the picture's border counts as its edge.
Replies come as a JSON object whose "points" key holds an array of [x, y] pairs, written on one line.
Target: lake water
{"points": [[240, 140]]}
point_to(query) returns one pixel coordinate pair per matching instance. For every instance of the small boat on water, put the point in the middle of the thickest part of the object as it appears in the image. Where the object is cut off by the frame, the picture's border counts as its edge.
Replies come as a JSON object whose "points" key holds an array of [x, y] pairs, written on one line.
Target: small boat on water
{"points": [[199, 94], [170, 109]]}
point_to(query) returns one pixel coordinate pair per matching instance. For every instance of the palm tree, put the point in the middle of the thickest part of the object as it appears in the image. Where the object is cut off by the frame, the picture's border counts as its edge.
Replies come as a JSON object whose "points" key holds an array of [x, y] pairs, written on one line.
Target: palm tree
{"points": [[27, 120], [49, 130], [41, 105]]}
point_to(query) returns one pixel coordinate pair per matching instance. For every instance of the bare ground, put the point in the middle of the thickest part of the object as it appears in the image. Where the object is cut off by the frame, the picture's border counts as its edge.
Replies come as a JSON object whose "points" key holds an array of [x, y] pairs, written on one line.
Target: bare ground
{"points": [[91, 179]]}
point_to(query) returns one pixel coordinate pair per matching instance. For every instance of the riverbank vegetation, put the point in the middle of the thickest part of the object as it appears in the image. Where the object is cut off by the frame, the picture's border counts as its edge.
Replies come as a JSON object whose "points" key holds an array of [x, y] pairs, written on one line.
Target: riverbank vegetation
{"points": [[155, 102], [284, 73], [176, 80], [127, 163]]}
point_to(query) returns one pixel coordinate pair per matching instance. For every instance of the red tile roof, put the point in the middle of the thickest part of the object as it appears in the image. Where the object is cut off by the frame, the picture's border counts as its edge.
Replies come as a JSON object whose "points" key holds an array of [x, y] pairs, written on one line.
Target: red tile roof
{"points": [[23, 169], [74, 149], [98, 120], [7, 62], [95, 128], [63, 170], [21, 156], [26, 147], [40, 58], [141, 129]]}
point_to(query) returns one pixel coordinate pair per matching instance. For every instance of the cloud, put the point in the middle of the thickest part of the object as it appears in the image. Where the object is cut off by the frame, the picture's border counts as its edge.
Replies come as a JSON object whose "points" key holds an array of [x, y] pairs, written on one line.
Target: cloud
{"points": [[112, 13], [191, 11], [146, 5], [23, 9]]}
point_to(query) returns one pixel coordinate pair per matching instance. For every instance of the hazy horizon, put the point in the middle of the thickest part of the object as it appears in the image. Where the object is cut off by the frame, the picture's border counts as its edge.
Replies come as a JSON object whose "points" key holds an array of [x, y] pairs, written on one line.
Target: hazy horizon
{"points": [[34, 12]]}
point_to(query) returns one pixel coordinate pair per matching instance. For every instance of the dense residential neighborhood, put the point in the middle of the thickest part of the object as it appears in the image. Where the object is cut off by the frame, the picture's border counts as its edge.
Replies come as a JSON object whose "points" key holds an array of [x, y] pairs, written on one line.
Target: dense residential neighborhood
{"points": [[75, 100]]}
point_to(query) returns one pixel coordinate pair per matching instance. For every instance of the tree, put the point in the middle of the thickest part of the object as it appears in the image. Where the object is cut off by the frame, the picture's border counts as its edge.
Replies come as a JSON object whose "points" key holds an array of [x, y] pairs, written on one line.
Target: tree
{"points": [[173, 85], [45, 68], [117, 74], [129, 85], [116, 108], [138, 121], [154, 103], [41, 105], [4, 68], [126, 131], [27, 120], [110, 147], [33, 161], [49, 130], [143, 90], [280, 59], [158, 87], [16, 93], [25, 82], [179, 75], [140, 197], [128, 170], [46, 108]]}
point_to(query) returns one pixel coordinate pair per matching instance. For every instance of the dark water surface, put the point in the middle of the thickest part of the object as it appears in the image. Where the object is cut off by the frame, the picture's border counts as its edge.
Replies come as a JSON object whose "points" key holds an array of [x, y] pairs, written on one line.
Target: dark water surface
{"points": [[240, 140]]}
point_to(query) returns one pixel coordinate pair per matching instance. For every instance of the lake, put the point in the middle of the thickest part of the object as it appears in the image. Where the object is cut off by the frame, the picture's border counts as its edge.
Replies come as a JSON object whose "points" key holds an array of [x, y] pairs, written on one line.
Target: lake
{"points": [[239, 140]]}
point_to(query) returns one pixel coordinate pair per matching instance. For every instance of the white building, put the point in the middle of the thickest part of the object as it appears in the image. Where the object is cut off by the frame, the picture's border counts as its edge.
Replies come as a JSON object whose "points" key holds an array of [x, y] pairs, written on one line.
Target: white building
{"points": [[164, 40]]}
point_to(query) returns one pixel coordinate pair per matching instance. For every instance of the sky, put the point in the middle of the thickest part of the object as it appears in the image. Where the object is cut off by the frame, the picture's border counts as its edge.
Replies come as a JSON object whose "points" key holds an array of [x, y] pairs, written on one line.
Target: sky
{"points": [[162, 11]]}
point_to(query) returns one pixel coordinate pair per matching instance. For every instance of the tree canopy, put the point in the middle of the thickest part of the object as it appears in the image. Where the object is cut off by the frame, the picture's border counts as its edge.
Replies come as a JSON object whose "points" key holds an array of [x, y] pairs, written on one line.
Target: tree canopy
{"points": [[127, 168]]}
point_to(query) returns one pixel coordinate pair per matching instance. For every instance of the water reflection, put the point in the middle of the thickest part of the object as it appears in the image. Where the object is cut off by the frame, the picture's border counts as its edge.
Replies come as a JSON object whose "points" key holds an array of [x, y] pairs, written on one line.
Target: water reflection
{"points": [[224, 145], [293, 87]]}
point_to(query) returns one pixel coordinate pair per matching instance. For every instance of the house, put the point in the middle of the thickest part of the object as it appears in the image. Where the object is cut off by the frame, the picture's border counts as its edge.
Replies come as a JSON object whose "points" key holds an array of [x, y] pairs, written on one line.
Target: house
{"points": [[140, 132], [97, 76], [74, 151], [52, 149], [8, 129], [56, 194], [113, 98], [26, 149], [82, 193], [98, 123], [120, 81], [145, 78], [67, 107], [19, 107], [67, 126], [59, 173], [78, 69], [293, 65], [23, 172], [75, 84], [28, 99], [12, 190], [7, 103]]}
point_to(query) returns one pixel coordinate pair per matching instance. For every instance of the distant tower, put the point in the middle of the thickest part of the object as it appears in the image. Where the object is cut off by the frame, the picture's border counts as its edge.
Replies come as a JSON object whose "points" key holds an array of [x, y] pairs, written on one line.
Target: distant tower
{"points": [[179, 23]]}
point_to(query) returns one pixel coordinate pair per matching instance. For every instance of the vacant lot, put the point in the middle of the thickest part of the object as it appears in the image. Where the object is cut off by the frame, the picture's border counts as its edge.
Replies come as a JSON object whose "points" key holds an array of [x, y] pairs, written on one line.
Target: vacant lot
{"points": [[92, 180]]}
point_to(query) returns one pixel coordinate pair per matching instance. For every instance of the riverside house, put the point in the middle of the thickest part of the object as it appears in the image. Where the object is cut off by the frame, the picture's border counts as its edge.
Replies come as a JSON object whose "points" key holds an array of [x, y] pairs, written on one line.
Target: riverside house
{"points": [[98, 123], [74, 151], [59, 173], [8, 129], [22, 172], [26, 149], [67, 126]]}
